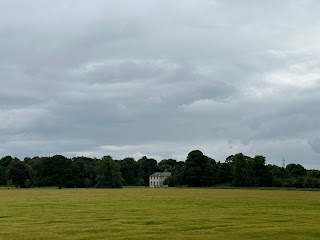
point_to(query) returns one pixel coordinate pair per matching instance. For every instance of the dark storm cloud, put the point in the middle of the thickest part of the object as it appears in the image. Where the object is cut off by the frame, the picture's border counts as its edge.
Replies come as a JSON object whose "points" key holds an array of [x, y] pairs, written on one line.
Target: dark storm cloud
{"points": [[160, 78]]}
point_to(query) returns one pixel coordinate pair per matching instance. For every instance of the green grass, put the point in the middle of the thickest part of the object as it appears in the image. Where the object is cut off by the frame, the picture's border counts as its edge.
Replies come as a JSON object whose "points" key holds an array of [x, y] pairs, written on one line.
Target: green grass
{"points": [[143, 213]]}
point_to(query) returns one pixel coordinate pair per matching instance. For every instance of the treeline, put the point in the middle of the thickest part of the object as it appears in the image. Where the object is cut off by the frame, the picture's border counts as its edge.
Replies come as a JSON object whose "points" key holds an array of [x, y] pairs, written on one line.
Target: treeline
{"points": [[197, 171]]}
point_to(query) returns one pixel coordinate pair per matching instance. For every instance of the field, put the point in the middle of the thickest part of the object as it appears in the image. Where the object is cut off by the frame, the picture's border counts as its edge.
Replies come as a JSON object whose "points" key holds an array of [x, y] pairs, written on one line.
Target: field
{"points": [[143, 213]]}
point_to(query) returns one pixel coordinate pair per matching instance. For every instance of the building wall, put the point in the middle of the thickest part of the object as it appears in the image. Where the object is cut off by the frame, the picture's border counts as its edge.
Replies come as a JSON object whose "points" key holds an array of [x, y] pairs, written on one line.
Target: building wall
{"points": [[156, 182]]}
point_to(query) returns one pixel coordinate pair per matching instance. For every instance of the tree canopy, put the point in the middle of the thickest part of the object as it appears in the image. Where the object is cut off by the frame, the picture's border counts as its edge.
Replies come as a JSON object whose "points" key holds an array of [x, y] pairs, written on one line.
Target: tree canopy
{"points": [[198, 170]]}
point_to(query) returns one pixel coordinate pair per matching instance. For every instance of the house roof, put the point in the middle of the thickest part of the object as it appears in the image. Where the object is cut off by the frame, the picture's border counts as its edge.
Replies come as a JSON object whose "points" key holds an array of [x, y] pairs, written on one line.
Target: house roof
{"points": [[161, 174]]}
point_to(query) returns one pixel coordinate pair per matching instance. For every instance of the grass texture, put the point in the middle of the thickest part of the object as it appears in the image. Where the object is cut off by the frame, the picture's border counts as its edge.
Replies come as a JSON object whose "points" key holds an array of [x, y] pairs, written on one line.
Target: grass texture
{"points": [[143, 213]]}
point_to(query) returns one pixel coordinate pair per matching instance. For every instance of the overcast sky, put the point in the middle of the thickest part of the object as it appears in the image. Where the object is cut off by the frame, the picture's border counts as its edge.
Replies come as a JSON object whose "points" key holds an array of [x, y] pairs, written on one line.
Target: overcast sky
{"points": [[161, 78]]}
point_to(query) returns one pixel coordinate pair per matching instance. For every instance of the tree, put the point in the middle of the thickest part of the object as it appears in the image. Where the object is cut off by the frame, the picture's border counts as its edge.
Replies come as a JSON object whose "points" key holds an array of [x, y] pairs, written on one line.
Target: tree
{"points": [[18, 173], [5, 161], [169, 181], [35, 164], [242, 172], [5, 164], [87, 182], [296, 170], [223, 173], [59, 171], [27, 183], [261, 176], [278, 175], [9, 183], [129, 169], [313, 173], [198, 169], [177, 177], [141, 182], [147, 166], [166, 164], [109, 175], [87, 169], [3, 175]]}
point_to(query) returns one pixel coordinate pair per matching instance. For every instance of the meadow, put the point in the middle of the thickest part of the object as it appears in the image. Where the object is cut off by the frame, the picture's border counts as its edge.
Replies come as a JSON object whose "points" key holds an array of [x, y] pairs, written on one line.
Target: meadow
{"points": [[172, 213]]}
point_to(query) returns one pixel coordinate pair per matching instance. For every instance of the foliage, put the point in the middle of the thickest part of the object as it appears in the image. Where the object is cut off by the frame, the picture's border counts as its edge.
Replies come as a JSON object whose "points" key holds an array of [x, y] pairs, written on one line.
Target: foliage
{"points": [[129, 169], [86, 182], [87, 169], [59, 171], [296, 170], [147, 166], [197, 171], [18, 172], [141, 182], [9, 183], [108, 174], [27, 183]]}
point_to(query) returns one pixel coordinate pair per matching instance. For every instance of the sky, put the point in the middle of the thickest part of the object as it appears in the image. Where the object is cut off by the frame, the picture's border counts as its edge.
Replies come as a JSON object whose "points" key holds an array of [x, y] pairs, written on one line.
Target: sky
{"points": [[161, 78]]}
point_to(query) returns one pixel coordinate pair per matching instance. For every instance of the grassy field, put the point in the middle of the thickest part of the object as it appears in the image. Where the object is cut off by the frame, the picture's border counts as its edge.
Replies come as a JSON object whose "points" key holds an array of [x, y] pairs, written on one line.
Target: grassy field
{"points": [[143, 213]]}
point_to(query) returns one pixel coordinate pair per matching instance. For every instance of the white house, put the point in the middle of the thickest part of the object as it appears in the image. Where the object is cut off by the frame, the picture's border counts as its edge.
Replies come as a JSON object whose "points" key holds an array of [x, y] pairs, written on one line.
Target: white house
{"points": [[156, 179]]}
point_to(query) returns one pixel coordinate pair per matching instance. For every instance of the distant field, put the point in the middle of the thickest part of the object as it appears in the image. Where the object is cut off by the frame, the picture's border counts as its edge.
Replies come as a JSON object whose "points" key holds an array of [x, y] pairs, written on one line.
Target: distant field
{"points": [[143, 213]]}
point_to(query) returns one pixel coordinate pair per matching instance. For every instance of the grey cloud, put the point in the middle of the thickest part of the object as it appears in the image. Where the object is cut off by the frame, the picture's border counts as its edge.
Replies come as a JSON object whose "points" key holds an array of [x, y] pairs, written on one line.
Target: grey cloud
{"points": [[119, 77]]}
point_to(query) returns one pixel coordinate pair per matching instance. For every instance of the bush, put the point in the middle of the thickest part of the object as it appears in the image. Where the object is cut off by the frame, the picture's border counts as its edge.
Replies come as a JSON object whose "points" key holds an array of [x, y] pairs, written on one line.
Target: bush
{"points": [[277, 182], [308, 182], [141, 182]]}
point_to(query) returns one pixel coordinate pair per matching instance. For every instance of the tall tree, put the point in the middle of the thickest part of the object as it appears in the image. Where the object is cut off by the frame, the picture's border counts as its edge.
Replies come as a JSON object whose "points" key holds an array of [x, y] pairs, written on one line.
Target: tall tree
{"points": [[19, 172], [242, 171], [178, 175], [5, 161], [87, 167], [296, 170], [109, 175], [3, 176], [147, 166], [198, 169], [36, 165], [223, 173], [129, 169], [166, 164], [59, 171], [261, 176]]}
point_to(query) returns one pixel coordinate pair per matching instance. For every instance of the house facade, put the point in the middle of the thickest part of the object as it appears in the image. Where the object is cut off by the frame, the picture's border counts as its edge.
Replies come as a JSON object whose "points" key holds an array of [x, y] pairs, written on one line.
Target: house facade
{"points": [[156, 179]]}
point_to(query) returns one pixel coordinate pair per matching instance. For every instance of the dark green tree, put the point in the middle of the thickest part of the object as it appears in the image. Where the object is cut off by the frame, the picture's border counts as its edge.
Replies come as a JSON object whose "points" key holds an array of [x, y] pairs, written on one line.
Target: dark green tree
{"points": [[87, 182], [87, 168], [147, 166], [36, 165], [166, 164], [109, 175], [278, 175], [261, 175], [129, 169], [9, 183], [27, 183], [296, 170], [141, 182], [3, 176], [313, 173], [59, 171], [223, 173], [242, 171], [198, 170], [5, 163], [18, 173]]}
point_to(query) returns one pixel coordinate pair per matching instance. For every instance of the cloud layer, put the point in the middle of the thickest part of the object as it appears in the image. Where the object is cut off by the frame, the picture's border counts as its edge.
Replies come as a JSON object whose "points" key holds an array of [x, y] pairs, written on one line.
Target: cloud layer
{"points": [[161, 78]]}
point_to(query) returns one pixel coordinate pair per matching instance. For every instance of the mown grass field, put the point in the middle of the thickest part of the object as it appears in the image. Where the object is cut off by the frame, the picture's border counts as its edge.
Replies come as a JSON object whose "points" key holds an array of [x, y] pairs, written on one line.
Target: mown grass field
{"points": [[143, 213]]}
